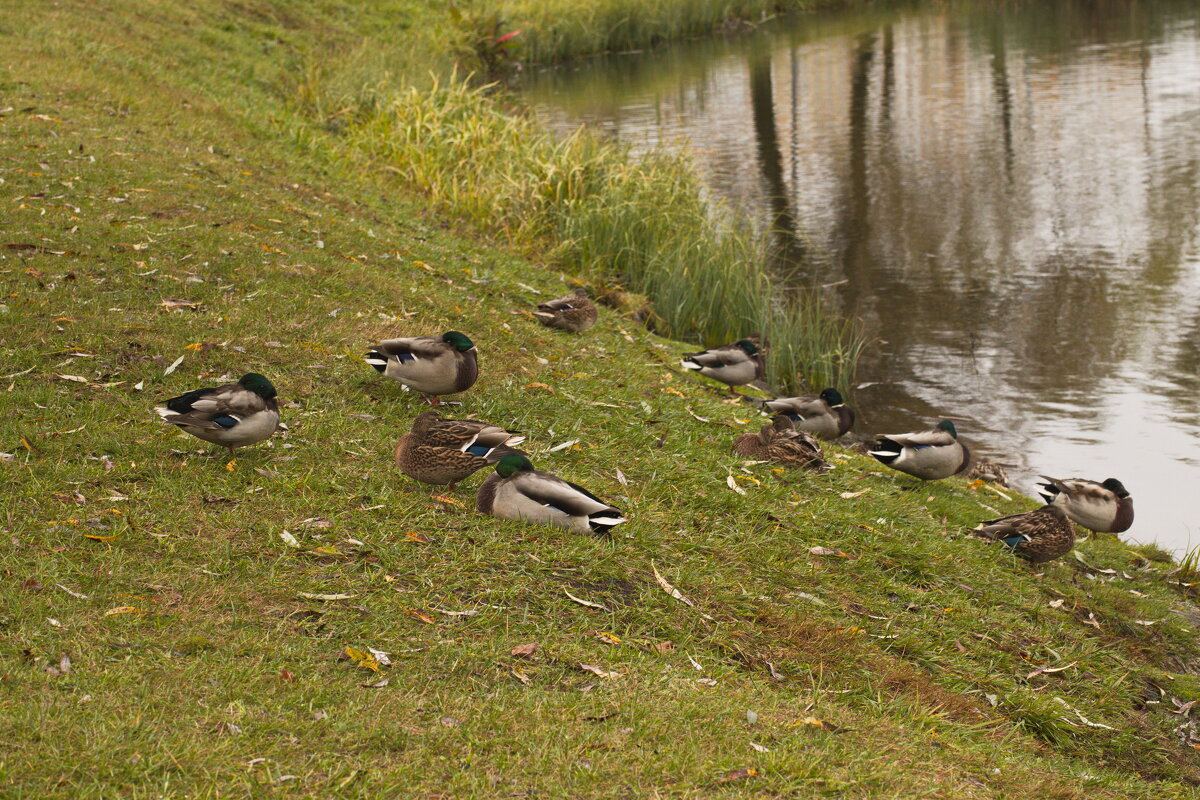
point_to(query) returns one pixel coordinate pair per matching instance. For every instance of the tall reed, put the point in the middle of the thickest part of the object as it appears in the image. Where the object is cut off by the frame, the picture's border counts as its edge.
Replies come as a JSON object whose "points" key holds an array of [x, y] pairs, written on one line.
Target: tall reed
{"points": [[599, 211]]}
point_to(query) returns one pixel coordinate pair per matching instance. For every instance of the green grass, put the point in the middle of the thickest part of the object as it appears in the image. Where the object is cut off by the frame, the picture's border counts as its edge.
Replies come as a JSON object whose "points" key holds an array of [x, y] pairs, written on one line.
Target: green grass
{"points": [[127, 184]]}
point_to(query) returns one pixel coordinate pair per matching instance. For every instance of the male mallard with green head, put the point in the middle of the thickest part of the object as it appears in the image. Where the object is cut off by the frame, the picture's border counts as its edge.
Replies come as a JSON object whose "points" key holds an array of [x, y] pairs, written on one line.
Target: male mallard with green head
{"points": [[824, 415], [1105, 507], [441, 451], [781, 443], [574, 312], [1036, 536], [233, 415], [733, 364], [428, 365], [929, 455], [517, 491]]}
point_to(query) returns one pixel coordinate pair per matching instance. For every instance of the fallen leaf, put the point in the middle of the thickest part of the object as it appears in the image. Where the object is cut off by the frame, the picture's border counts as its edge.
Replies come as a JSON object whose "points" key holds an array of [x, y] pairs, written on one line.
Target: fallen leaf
{"points": [[608, 638], [582, 602], [621, 477], [123, 610], [1041, 670], [524, 650], [380, 656], [813, 722], [760, 748], [73, 378], [562, 446], [419, 538], [737, 775], [174, 366], [71, 592], [32, 585], [521, 676], [362, 659], [377, 684], [671, 590], [598, 672], [287, 675], [734, 485], [849, 495], [827, 551], [53, 622], [538, 385], [450, 500], [99, 538], [662, 648], [289, 539], [421, 615], [325, 597]]}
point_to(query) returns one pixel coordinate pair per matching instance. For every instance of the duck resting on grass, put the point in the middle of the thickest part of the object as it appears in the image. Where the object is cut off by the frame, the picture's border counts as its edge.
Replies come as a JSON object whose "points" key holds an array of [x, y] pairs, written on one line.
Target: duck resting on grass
{"points": [[781, 443], [929, 455], [517, 491], [1106, 507], [733, 364], [431, 366], [1035, 536], [574, 312], [233, 415], [824, 415], [441, 451]]}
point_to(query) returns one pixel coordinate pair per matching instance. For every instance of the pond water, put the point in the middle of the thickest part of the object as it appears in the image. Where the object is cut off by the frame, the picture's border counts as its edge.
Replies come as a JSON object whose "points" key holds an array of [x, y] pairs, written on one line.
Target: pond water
{"points": [[1008, 196]]}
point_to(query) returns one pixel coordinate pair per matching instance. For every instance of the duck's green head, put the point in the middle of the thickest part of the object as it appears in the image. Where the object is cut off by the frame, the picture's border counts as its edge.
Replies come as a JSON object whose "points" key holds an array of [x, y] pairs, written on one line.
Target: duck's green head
{"points": [[747, 346], [948, 427], [1116, 487], [833, 397], [458, 341], [258, 384], [513, 462]]}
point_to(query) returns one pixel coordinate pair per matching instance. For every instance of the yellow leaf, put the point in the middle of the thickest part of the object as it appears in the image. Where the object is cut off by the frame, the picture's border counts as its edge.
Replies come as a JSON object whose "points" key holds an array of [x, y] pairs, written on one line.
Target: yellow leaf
{"points": [[538, 385], [975, 484], [194, 346], [419, 538], [673, 390], [362, 659], [123, 610], [231, 465], [443, 499], [421, 615], [99, 538], [608, 638]]}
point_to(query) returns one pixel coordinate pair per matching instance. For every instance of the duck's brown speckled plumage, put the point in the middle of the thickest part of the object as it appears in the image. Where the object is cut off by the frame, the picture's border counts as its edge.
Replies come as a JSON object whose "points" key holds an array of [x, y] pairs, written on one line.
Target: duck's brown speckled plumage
{"points": [[781, 443], [444, 451], [573, 312], [1036, 536]]}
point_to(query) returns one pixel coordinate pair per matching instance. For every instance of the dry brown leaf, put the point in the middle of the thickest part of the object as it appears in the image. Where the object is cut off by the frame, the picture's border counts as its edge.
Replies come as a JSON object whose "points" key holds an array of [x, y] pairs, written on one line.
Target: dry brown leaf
{"points": [[419, 538], [524, 650], [827, 551], [598, 672], [738, 774], [112, 612]]}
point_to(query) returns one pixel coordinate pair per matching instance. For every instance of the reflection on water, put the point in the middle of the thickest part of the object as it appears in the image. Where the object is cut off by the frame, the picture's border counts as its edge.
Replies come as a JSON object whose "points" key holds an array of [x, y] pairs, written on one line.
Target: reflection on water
{"points": [[1009, 198]]}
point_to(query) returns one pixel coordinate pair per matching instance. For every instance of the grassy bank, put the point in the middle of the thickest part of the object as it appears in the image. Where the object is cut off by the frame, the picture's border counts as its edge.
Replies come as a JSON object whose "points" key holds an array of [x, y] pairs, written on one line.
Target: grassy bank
{"points": [[163, 200], [558, 30], [586, 206]]}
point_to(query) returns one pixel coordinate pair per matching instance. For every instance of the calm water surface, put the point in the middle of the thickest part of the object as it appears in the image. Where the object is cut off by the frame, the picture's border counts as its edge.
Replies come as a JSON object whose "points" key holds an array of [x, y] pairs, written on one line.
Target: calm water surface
{"points": [[1009, 198]]}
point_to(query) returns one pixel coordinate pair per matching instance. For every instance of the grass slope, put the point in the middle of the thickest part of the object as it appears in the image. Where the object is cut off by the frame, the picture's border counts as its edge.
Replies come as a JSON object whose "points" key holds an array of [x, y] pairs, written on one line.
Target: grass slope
{"points": [[152, 213]]}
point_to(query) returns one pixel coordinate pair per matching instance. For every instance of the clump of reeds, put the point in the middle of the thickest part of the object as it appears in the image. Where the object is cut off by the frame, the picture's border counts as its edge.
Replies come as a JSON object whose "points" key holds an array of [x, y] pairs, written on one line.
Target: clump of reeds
{"points": [[597, 210]]}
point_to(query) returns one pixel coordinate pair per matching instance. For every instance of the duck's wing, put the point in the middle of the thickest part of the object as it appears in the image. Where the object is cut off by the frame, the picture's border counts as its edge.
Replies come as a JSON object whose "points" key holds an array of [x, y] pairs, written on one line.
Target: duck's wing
{"points": [[222, 407]]}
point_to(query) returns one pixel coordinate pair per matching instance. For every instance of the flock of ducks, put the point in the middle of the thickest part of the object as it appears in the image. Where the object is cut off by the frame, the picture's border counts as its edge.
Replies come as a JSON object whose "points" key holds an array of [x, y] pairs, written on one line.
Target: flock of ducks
{"points": [[441, 451]]}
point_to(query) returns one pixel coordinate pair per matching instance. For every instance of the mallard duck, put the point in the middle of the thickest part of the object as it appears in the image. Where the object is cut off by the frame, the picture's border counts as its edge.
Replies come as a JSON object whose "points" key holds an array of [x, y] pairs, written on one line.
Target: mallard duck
{"points": [[984, 469], [517, 491], [929, 455], [431, 366], [781, 443], [441, 451], [1105, 507], [733, 364], [1036, 536], [574, 312], [824, 415], [233, 415]]}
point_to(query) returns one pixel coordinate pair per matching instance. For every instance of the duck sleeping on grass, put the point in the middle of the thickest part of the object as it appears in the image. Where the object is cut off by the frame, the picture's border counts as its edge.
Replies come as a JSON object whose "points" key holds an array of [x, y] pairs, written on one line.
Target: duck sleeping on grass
{"points": [[233, 415], [1105, 507], [733, 364], [444, 451], [517, 491], [431, 366], [929, 455], [574, 312], [1035, 536], [781, 443], [824, 415]]}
